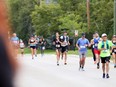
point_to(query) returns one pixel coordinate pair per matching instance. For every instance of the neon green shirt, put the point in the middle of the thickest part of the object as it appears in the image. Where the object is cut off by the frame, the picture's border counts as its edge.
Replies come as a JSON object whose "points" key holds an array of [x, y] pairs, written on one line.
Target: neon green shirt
{"points": [[105, 53]]}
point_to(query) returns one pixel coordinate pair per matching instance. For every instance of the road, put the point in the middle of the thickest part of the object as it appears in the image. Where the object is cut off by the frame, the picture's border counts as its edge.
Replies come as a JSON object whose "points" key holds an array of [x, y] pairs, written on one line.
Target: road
{"points": [[43, 72]]}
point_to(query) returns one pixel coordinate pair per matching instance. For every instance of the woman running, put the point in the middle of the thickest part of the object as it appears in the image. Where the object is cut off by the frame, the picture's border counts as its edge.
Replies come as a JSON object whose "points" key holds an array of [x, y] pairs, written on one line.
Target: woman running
{"points": [[22, 46], [57, 44], [92, 48], [97, 39], [32, 43], [42, 43], [114, 50]]}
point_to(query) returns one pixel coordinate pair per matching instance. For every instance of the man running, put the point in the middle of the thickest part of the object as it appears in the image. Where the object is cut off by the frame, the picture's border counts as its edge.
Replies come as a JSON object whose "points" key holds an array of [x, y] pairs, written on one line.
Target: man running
{"points": [[37, 44], [82, 45], [105, 47], [97, 39], [15, 42], [64, 46]]}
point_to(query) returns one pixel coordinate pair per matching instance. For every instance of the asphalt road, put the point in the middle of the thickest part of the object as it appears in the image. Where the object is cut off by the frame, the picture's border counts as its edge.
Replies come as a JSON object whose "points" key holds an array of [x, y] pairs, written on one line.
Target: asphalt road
{"points": [[43, 72]]}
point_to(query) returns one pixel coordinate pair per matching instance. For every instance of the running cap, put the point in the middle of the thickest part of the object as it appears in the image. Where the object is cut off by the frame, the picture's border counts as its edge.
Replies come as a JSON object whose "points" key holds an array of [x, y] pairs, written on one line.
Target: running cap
{"points": [[104, 34], [83, 34]]}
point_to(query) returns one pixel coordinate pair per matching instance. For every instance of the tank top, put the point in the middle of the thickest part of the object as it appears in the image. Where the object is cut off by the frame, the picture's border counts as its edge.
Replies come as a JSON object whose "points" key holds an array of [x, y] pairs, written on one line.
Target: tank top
{"points": [[96, 41]]}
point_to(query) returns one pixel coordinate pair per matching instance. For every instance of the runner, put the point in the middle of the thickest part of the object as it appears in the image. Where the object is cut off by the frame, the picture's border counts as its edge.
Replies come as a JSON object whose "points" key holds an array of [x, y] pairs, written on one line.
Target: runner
{"points": [[15, 42], [57, 44], [42, 43], [64, 46], [105, 47], [22, 46], [97, 39], [114, 50], [92, 48], [82, 44], [37, 44], [32, 43]]}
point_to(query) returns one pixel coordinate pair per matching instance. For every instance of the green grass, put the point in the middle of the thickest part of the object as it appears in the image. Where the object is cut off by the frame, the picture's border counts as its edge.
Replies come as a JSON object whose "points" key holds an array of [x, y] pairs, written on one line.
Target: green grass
{"points": [[27, 51]]}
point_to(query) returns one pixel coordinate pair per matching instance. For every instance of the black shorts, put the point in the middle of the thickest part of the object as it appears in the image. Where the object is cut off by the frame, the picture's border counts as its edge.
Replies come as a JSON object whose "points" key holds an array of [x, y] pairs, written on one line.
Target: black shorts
{"points": [[21, 48], [58, 48], [64, 49], [33, 47], [105, 59]]}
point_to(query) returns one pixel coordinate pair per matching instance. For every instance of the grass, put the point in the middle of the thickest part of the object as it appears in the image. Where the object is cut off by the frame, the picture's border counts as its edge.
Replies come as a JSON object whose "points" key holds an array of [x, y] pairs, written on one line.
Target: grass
{"points": [[89, 54]]}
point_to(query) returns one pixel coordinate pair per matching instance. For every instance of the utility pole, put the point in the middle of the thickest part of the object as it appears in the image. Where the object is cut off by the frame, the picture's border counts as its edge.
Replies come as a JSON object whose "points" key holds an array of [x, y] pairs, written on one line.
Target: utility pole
{"points": [[88, 14], [114, 17]]}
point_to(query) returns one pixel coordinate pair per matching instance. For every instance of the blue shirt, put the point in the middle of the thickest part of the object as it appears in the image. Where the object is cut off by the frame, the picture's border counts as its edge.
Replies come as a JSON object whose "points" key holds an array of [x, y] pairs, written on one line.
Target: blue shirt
{"points": [[15, 40], [82, 44]]}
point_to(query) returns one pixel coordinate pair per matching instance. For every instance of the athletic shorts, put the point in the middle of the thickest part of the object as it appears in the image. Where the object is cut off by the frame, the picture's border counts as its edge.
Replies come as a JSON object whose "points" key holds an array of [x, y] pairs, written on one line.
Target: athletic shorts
{"points": [[33, 47], [96, 51], [59, 49], [21, 48], [105, 59], [64, 49], [82, 54]]}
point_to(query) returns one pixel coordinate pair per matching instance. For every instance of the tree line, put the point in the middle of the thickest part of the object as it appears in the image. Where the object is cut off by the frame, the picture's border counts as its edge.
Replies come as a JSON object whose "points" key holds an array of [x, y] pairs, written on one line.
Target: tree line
{"points": [[44, 19]]}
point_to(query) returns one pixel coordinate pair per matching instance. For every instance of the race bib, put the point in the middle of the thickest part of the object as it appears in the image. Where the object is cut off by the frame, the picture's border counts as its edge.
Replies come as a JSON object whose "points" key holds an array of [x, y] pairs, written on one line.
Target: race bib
{"points": [[96, 45], [82, 47], [22, 45], [15, 42], [57, 45], [105, 51]]}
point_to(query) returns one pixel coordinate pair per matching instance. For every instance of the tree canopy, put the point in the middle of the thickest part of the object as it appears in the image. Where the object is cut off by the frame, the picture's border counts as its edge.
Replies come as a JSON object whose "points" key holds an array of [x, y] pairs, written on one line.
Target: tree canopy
{"points": [[42, 18]]}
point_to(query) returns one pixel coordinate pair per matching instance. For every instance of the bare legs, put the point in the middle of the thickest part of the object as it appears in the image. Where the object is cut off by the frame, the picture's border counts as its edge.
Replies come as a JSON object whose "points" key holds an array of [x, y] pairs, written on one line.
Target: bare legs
{"points": [[33, 52]]}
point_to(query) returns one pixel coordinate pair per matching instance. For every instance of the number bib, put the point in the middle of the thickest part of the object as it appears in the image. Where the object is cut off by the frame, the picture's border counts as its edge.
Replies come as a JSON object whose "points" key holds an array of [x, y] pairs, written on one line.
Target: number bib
{"points": [[96, 45], [58, 45], [105, 51], [82, 47]]}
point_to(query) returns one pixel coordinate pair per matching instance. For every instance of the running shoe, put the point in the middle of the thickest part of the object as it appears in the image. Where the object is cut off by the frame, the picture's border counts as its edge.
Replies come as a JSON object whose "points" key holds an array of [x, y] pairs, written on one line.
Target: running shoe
{"points": [[65, 63], [57, 64], [107, 76], [98, 66], [103, 75], [114, 66], [82, 69], [36, 55]]}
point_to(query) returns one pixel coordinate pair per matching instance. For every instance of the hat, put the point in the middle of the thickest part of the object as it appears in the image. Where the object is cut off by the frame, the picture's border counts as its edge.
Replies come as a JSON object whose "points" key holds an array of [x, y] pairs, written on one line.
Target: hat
{"points": [[114, 36], [104, 34], [83, 34]]}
